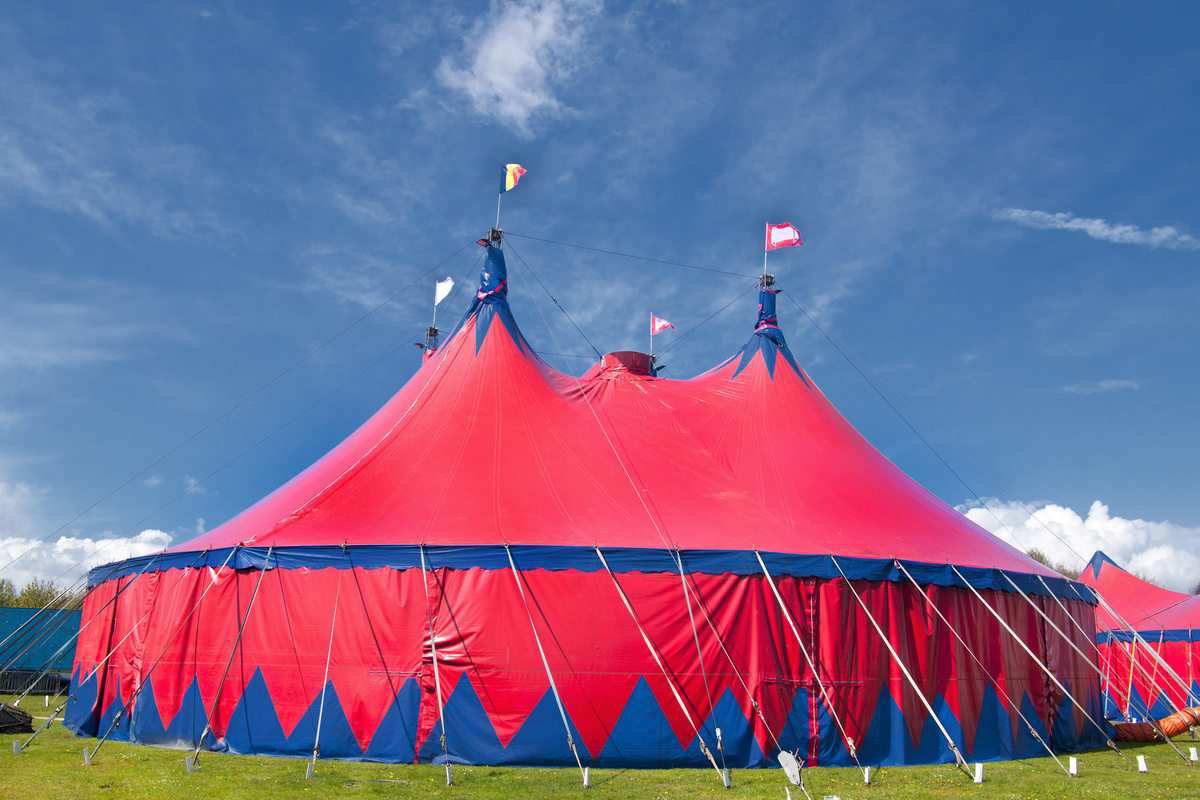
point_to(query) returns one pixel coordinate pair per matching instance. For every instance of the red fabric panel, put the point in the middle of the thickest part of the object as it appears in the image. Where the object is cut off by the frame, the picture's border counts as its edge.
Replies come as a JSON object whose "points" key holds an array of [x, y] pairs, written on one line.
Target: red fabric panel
{"points": [[595, 652]]}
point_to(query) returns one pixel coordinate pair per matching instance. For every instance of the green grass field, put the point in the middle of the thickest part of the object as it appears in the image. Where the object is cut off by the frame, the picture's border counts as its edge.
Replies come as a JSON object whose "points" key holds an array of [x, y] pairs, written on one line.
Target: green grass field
{"points": [[53, 767]]}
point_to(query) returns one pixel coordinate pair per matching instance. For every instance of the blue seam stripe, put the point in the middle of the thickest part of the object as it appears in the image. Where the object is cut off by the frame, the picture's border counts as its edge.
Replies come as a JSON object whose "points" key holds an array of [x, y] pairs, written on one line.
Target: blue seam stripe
{"points": [[583, 559], [1151, 636]]}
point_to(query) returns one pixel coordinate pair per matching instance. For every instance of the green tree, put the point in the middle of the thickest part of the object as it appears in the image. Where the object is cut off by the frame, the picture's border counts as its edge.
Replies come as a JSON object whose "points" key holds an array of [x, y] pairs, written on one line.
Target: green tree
{"points": [[8, 593], [36, 594], [1065, 570]]}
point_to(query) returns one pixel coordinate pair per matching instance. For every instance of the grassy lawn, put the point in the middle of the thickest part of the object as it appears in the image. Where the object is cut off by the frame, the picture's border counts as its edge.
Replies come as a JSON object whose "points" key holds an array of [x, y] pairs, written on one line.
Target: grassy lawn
{"points": [[53, 767]]}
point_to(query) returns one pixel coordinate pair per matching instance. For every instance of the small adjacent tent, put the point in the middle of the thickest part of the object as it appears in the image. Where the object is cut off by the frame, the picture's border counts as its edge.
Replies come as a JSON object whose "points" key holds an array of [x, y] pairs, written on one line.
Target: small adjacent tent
{"points": [[512, 565], [1149, 639]]}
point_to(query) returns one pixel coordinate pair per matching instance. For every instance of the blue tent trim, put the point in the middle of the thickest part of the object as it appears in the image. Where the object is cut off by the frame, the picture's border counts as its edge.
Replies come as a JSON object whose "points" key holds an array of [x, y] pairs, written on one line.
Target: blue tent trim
{"points": [[584, 559]]}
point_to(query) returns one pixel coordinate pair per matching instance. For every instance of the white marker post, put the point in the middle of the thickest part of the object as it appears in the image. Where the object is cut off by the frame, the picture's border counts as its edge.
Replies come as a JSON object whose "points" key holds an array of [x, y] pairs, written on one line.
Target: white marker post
{"points": [[1193, 755], [979, 772], [1073, 770], [1142, 764]]}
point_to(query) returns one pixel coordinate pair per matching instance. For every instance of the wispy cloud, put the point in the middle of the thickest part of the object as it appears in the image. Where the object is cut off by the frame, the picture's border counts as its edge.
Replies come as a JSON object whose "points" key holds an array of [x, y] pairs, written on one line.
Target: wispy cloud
{"points": [[515, 58], [1163, 550], [1166, 236], [193, 485], [1103, 387], [77, 153]]}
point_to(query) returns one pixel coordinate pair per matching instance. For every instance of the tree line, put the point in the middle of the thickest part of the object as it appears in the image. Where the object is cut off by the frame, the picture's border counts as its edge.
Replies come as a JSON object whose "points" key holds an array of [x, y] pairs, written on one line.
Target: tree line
{"points": [[38, 593]]}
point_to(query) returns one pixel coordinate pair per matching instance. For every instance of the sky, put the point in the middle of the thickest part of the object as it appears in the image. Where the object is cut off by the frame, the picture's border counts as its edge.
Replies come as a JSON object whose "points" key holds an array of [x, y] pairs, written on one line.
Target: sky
{"points": [[220, 227]]}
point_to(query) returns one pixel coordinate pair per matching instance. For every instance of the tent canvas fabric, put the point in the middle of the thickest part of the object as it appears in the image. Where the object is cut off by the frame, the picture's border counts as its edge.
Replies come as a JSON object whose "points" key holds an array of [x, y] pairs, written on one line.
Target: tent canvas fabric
{"points": [[607, 530], [1135, 683]]}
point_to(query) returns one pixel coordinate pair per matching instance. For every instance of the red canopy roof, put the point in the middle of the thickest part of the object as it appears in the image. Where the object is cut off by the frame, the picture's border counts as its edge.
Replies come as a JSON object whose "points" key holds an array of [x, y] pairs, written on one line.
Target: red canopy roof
{"points": [[1143, 605], [487, 444]]}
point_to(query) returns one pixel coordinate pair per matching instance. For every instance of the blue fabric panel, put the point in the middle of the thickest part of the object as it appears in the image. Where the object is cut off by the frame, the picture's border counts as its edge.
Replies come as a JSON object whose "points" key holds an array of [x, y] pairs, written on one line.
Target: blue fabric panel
{"points": [[993, 731], [643, 736], [1026, 746], [1099, 559], [542, 740], [932, 747], [796, 737], [470, 737], [887, 736], [44, 634], [831, 747], [737, 735], [395, 738], [584, 559], [1151, 636], [79, 715], [184, 729], [115, 713], [768, 341], [254, 727]]}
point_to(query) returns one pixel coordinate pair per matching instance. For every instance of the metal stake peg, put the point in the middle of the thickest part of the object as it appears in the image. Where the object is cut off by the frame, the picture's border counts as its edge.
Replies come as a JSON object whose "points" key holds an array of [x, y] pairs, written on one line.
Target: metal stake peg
{"points": [[979, 772], [16, 748], [725, 778], [87, 758], [1073, 771], [587, 777], [449, 775]]}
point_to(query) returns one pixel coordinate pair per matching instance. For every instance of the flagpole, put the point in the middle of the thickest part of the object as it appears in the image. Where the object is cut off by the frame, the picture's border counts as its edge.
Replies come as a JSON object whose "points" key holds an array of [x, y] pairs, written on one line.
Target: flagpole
{"points": [[498, 209], [652, 339], [766, 238]]}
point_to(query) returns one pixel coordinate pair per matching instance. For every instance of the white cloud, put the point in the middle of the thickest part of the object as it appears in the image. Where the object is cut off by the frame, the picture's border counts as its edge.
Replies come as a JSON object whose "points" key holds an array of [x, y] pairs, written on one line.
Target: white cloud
{"points": [[1167, 236], [153, 480], [1103, 387], [1163, 550], [36, 335], [69, 558], [193, 485], [78, 153], [517, 56], [62, 560]]}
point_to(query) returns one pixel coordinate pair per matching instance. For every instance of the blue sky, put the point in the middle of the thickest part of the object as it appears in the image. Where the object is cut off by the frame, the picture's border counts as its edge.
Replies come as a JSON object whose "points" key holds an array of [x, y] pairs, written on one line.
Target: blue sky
{"points": [[998, 205]]}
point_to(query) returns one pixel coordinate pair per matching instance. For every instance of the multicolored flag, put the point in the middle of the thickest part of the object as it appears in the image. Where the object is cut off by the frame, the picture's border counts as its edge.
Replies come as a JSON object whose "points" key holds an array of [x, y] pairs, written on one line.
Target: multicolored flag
{"points": [[658, 325], [512, 175], [785, 235]]}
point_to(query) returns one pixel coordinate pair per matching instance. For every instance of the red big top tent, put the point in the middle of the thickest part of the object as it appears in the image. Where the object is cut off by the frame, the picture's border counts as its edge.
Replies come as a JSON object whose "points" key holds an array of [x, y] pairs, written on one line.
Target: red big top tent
{"points": [[508, 564], [1149, 639]]}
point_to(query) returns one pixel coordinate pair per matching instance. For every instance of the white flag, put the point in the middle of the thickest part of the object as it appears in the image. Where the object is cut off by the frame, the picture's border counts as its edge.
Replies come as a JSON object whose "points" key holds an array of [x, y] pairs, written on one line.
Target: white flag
{"points": [[443, 289]]}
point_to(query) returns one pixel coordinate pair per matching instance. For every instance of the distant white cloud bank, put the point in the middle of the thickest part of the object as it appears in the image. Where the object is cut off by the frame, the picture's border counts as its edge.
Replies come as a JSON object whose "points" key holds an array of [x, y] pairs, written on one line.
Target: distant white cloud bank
{"points": [[1163, 550], [63, 559], [1166, 236]]}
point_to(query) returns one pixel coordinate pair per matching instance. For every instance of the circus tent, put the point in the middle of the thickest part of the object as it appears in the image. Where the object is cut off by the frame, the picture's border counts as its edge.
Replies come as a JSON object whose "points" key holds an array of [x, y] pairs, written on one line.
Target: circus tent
{"points": [[1149, 639], [508, 564]]}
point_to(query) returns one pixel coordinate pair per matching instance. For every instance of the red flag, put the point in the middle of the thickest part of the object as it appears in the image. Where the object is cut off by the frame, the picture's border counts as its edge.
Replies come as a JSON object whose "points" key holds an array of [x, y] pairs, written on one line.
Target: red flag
{"points": [[785, 235], [658, 325]]}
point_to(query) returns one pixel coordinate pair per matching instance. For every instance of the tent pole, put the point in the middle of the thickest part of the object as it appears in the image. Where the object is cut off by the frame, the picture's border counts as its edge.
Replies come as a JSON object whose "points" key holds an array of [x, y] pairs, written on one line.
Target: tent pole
{"points": [[712, 709], [811, 663], [545, 664], [661, 666], [1015, 706], [233, 653], [325, 681], [1040, 663], [437, 681], [962, 764]]}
